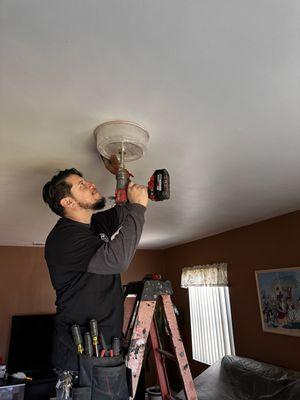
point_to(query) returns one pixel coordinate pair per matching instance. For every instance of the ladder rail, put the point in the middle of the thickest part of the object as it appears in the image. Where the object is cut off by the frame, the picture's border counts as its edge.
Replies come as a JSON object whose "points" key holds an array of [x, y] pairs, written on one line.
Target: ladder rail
{"points": [[129, 307], [137, 346], [140, 316], [182, 361]]}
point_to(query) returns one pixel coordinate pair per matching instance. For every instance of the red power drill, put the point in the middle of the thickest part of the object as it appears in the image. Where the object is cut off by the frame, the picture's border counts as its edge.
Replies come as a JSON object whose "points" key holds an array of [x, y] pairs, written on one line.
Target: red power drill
{"points": [[158, 186]]}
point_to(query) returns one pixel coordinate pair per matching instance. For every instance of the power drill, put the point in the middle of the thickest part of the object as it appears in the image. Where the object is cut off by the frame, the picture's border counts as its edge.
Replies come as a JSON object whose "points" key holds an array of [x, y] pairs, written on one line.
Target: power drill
{"points": [[158, 185]]}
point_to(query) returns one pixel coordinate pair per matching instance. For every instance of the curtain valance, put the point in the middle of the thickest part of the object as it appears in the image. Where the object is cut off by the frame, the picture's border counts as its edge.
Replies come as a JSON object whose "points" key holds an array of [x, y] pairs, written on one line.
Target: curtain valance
{"points": [[205, 275]]}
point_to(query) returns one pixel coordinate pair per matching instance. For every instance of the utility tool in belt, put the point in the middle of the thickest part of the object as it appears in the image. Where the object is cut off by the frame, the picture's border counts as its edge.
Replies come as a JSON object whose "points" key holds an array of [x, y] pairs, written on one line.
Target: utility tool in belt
{"points": [[94, 342], [76, 333], [94, 333]]}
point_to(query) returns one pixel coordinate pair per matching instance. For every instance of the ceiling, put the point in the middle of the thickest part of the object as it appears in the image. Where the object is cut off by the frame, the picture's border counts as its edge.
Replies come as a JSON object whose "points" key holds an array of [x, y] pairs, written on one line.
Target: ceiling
{"points": [[215, 83]]}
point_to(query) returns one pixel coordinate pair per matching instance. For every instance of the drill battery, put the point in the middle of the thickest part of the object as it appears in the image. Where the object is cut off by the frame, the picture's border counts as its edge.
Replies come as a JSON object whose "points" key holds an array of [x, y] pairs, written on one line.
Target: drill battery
{"points": [[159, 185]]}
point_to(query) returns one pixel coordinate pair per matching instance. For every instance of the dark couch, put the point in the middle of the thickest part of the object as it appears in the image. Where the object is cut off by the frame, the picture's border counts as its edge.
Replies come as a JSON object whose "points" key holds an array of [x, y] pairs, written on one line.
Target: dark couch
{"points": [[239, 378]]}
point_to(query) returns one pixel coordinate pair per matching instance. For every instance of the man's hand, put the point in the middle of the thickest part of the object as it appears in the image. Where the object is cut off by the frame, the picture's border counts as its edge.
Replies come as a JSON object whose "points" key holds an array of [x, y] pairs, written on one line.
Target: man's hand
{"points": [[137, 194], [111, 165]]}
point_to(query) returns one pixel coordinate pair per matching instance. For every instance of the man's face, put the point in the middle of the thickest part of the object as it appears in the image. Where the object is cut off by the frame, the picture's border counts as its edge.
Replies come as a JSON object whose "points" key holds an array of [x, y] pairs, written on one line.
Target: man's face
{"points": [[85, 193]]}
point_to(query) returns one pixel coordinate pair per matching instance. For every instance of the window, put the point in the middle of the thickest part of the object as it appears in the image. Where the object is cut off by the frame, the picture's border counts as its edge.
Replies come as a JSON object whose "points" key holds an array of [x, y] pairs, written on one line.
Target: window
{"points": [[211, 324]]}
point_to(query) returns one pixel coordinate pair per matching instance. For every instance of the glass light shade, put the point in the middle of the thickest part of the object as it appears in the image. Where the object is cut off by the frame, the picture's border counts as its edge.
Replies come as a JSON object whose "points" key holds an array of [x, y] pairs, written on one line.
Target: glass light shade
{"points": [[112, 135]]}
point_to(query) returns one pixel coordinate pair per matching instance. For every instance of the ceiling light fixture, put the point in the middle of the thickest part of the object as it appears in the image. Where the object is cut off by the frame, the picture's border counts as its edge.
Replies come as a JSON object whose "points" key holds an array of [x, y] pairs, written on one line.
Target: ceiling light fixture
{"points": [[116, 137]]}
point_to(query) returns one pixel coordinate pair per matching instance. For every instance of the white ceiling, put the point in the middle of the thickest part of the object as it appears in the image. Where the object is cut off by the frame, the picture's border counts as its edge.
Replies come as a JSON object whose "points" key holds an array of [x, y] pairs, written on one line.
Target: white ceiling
{"points": [[216, 84]]}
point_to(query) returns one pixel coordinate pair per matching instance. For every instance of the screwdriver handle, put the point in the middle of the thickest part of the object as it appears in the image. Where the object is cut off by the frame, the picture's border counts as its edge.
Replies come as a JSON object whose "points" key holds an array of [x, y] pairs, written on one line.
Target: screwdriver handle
{"points": [[94, 328], [76, 333], [94, 333], [88, 344]]}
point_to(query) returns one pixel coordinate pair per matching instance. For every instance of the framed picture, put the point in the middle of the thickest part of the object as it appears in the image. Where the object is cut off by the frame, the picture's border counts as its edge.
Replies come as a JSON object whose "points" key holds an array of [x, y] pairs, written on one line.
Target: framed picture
{"points": [[279, 300]]}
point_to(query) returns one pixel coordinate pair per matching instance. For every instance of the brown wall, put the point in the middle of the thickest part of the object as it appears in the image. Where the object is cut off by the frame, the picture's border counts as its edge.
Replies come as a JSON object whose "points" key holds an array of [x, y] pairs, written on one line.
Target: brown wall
{"points": [[144, 262], [25, 286], [270, 244]]}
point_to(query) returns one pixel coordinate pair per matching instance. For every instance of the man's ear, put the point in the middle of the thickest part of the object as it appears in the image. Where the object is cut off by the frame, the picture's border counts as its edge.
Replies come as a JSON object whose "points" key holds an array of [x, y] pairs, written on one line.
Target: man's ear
{"points": [[67, 202]]}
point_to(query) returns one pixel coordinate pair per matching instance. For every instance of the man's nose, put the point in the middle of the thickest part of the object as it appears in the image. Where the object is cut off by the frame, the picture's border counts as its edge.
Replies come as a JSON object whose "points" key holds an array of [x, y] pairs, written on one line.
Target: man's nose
{"points": [[91, 185]]}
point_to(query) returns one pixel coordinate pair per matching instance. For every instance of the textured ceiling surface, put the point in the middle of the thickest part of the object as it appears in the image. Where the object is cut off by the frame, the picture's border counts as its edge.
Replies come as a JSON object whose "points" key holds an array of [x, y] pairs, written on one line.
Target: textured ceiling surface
{"points": [[215, 83]]}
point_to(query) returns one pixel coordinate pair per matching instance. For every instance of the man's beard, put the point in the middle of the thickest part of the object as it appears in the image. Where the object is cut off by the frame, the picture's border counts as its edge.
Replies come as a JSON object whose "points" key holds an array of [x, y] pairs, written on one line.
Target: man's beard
{"points": [[98, 205]]}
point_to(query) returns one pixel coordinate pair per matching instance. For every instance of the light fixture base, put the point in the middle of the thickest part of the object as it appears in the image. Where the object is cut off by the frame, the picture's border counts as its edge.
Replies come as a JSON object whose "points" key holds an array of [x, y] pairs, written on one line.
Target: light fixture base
{"points": [[112, 135]]}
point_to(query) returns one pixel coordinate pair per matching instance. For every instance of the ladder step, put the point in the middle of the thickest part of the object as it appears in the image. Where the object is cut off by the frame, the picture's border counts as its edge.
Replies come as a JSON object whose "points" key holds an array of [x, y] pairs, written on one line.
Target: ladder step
{"points": [[167, 354]]}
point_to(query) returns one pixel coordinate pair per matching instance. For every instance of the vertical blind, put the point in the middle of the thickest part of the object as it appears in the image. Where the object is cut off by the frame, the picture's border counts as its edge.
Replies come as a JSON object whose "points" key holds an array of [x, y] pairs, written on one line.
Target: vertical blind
{"points": [[211, 323]]}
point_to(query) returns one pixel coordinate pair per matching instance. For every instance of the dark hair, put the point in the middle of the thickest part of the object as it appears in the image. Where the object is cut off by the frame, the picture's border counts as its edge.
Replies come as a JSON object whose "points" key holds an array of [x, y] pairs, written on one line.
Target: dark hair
{"points": [[57, 189]]}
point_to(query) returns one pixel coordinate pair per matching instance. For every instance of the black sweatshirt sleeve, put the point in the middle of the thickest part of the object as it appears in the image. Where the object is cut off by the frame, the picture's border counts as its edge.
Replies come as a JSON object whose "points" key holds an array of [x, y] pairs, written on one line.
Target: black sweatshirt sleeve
{"points": [[114, 257], [110, 220], [123, 211]]}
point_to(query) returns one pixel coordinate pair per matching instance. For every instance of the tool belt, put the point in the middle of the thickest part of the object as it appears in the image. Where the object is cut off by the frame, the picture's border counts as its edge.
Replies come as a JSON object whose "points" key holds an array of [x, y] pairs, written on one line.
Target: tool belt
{"points": [[102, 372], [101, 379]]}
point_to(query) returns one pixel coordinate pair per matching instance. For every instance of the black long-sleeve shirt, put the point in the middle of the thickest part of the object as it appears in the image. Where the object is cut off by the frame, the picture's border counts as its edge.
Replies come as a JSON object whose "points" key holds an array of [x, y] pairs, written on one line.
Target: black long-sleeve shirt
{"points": [[85, 265]]}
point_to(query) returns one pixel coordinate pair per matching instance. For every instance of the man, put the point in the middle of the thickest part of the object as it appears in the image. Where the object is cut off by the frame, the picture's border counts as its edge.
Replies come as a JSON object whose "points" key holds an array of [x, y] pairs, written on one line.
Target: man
{"points": [[85, 253]]}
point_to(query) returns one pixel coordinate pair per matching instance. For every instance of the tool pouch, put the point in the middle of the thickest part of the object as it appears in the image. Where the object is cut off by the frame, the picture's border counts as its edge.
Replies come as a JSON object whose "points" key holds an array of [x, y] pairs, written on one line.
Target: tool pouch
{"points": [[106, 378], [81, 393]]}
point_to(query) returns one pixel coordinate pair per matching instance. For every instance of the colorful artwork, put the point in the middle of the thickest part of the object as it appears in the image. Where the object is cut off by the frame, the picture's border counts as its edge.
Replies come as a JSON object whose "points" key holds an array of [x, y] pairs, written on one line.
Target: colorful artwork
{"points": [[279, 300]]}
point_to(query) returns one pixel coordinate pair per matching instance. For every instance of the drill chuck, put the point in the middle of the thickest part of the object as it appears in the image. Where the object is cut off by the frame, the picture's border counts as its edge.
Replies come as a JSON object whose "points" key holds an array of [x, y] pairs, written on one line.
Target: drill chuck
{"points": [[121, 188]]}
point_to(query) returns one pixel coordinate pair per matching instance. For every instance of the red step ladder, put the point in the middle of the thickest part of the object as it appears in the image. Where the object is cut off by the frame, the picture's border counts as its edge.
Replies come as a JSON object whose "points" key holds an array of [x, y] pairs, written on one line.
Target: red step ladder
{"points": [[140, 301]]}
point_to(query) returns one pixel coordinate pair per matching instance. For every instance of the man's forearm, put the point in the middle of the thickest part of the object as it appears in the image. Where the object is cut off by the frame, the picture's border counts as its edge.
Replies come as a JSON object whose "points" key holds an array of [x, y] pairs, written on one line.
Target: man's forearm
{"points": [[114, 257]]}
